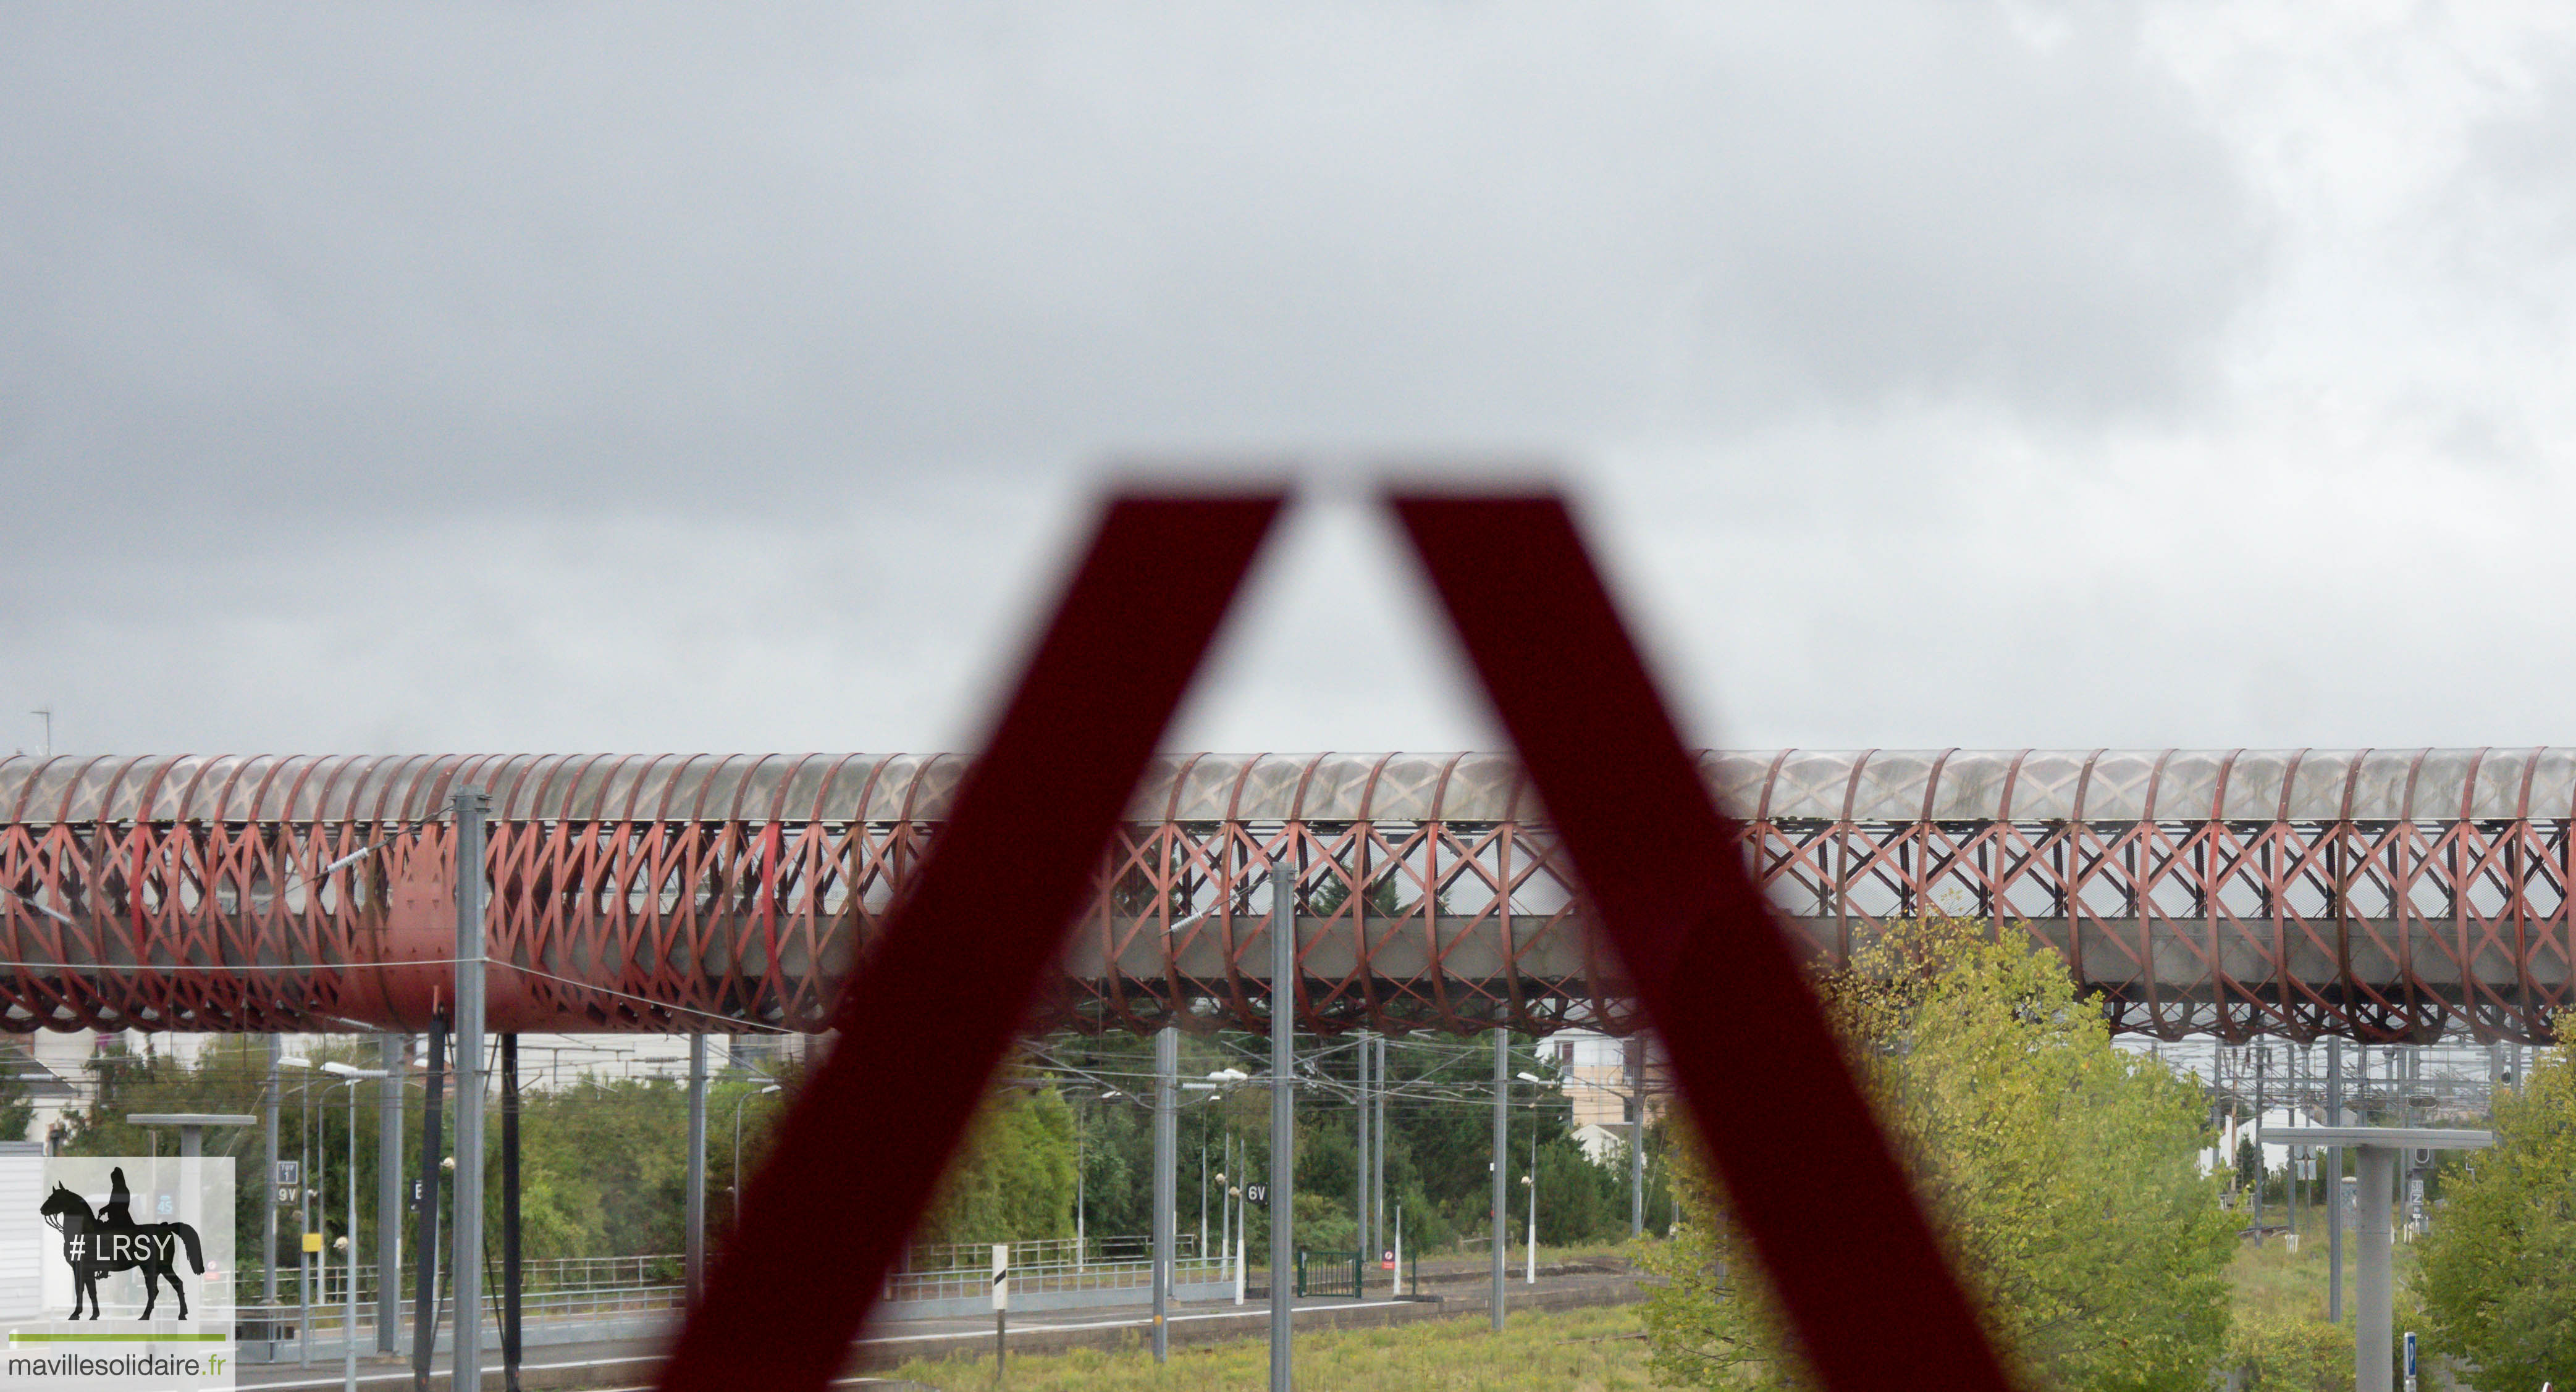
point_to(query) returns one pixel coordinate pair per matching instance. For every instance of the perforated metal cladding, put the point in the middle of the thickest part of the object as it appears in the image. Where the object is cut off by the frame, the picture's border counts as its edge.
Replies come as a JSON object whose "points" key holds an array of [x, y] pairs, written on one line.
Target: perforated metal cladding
{"points": [[1882, 785], [2379, 893]]}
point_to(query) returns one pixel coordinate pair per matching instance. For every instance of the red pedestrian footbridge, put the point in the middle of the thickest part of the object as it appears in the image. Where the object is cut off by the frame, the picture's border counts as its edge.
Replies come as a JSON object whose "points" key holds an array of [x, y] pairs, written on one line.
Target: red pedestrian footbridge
{"points": [[2373, 894]]}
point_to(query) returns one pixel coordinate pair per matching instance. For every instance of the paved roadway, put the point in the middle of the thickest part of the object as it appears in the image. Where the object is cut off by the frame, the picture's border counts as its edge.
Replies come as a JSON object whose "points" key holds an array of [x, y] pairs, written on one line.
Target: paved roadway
{"points": [[1456, 1289]]}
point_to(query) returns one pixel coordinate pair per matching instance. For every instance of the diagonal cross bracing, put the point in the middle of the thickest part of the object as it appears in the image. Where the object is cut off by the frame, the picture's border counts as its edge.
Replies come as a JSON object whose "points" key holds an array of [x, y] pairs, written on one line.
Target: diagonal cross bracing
{"points": [[2380, 895]]}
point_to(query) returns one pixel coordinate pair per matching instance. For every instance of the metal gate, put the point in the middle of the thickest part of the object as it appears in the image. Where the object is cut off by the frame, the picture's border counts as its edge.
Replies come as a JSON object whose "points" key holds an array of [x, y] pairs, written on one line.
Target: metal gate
{"points": [[1328, 1273]]}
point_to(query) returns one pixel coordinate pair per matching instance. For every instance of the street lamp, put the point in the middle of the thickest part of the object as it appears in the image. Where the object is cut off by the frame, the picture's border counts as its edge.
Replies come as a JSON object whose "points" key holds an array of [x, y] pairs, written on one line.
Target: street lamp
{"points": [[1225, 1218], [1242, 1219], [1221, 1083], [738, 1105], [1529, 1181], [1081, 1191], [350, 1077], [305, 1186], [1629, 1102]]}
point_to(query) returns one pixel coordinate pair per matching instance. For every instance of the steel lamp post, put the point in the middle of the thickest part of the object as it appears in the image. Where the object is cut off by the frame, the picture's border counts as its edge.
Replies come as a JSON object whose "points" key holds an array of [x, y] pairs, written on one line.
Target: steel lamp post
{"points": [[350, 1077], [303, 1184], [1529, 1181], [739, 1104]]}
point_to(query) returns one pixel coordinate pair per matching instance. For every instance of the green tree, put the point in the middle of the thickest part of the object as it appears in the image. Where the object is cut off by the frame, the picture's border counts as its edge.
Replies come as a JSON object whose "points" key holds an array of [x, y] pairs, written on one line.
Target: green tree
{"points": [[1439, 1136], [1013, 1180], [2281, 1353], [1578, 1201], [228, 1076], [2060, 1170], [17, 1104], [1384, 898], [603, 1170], [2498, 1273]]}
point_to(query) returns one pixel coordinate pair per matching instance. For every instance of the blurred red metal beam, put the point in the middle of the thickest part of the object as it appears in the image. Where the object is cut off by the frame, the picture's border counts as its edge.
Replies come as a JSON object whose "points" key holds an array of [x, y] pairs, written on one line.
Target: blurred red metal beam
{"points": [[1876, 1304], [860, 1154], [862, 1151]]}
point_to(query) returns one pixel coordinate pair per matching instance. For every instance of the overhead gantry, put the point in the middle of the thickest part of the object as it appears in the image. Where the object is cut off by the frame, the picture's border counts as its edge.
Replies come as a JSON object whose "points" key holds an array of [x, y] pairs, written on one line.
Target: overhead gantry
{"points": [[2382, 894]]}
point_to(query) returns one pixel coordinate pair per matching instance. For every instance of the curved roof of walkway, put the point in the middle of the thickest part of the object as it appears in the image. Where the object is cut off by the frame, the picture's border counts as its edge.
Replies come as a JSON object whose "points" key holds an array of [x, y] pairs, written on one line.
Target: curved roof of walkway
{"points": [[1878, 785]]}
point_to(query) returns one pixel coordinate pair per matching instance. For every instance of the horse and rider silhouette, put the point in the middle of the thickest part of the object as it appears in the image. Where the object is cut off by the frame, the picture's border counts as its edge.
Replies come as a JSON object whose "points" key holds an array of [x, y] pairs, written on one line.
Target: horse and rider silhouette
{"points": [[110, 1240]]}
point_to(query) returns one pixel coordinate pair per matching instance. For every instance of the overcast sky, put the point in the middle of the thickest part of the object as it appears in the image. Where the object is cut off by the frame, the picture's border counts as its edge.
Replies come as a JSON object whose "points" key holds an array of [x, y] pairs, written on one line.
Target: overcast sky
{"points": [[607, 377]]}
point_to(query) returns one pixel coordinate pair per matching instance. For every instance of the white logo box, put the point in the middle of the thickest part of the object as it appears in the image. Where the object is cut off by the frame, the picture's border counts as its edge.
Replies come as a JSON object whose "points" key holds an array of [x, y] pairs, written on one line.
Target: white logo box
{"points": [[43, 1349]]}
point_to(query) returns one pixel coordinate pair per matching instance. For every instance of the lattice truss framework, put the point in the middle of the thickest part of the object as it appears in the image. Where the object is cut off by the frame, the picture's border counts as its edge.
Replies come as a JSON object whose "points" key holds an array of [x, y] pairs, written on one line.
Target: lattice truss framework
{"points": [[661, 894]]}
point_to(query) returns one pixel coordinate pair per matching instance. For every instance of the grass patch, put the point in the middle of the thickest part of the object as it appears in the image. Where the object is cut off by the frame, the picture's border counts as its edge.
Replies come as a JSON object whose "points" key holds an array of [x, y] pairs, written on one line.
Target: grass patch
{"points": [[2281, 1342], [2271, 1283], [2279, 1301], [1586, 1350]]}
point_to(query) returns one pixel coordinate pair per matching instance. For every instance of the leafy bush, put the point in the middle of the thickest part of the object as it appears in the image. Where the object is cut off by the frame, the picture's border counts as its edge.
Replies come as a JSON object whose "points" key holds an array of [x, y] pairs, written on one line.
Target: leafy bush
{"points": [[2273, 1354], [2060, 1169], [2498, 1273], [1014, 1178]]}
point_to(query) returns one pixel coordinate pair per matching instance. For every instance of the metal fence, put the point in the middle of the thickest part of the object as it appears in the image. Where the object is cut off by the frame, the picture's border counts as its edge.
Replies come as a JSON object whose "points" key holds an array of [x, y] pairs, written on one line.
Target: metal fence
{"points": [[962, 1282], [577, 1287], [555, 1288], [1328, 1273], [1043, 1252]]}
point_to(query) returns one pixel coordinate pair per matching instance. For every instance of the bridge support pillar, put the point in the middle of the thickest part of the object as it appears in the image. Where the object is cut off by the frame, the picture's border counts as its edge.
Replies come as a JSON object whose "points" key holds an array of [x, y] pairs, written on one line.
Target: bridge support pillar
{"points": [[696, 1260], [1501, 1262], [2371, 1329], [2334, 1184], [390, 1049], [1377, 1162], [425, 1201], [1167, 1060], [268, 1100], [472, 806], [1283, 1118], [2375, 1150], [1360, 1159], [511, 1272], [1633, 1054]]}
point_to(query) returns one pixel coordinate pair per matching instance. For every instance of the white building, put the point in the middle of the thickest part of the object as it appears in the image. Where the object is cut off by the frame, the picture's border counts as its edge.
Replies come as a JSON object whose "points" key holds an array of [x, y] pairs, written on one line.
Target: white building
{"points": [[2275, 1133], [52, 1066], [1601, 1074]]}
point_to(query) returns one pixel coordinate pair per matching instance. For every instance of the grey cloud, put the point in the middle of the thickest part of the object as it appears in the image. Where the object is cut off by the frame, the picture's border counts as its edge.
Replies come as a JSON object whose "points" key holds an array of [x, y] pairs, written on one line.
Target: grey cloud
{"points": [[550, 376], [2508, 209], [280, 264]]}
